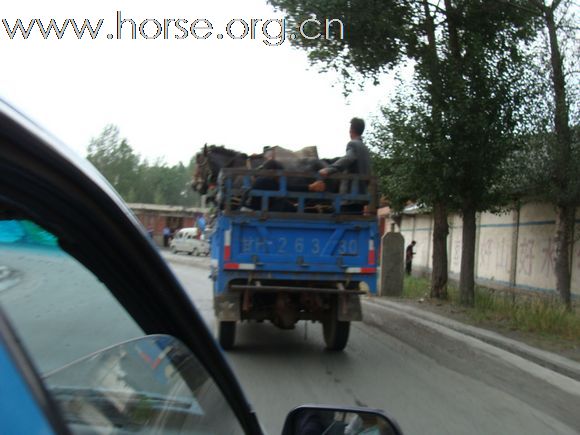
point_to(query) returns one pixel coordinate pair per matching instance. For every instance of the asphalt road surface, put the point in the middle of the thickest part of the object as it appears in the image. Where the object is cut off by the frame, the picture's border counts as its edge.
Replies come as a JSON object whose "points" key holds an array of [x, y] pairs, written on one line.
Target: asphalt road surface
{"points": [[429, 383]]}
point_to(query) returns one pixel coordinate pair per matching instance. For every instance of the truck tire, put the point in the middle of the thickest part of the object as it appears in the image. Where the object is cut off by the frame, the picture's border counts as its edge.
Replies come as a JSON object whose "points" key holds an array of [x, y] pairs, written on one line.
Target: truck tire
{"points": [[226, 334], [335, 333]]}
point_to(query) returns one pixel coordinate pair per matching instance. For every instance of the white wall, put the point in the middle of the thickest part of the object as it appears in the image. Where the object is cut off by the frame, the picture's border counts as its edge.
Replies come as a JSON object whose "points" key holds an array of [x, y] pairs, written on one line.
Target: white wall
{"points": [[511, 250]]}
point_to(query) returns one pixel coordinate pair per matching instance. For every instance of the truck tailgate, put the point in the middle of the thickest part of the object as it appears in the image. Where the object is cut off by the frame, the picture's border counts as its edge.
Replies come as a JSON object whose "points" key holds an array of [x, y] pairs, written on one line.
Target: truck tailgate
{"points": [[302, 245]]}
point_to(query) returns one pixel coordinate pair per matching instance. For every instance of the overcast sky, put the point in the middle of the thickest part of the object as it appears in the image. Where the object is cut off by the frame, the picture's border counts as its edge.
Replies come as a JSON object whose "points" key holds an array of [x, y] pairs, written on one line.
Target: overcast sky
{"points": [[171, 96]]}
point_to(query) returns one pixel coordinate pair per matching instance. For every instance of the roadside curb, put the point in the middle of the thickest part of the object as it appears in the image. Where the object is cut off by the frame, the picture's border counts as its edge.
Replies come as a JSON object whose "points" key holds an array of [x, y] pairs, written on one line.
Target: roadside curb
{"points": [[186, 260], [546, 359]]}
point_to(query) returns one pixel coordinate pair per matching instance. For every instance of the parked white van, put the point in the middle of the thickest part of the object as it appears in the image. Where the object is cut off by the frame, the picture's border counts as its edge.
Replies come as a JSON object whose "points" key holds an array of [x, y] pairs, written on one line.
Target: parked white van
{"points": [[187, 240]]}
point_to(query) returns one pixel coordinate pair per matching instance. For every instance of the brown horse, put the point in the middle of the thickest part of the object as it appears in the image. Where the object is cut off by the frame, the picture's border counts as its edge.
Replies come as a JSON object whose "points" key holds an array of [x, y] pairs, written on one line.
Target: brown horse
{"points": [[212, 159]]}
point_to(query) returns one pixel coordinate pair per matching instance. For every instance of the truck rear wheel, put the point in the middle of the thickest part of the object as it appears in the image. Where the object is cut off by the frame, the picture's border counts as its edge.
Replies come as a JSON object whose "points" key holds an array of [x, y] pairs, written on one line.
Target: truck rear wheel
{"points": [[335, 333], [227, 334]]}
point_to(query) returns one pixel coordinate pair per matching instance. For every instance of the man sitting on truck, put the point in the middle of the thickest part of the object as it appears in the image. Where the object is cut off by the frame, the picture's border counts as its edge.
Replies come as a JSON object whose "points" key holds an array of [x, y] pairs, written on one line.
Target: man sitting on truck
{"points": [[356, 161]]}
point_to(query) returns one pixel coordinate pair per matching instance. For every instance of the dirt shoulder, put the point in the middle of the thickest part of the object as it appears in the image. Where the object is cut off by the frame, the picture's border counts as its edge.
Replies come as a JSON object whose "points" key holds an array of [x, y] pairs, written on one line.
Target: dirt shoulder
{"points": [[564, 347]]}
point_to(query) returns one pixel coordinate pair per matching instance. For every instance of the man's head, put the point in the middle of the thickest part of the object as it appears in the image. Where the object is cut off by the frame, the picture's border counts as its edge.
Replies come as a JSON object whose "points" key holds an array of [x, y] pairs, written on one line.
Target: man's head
{"points": [[357, 127], [413, 243]]}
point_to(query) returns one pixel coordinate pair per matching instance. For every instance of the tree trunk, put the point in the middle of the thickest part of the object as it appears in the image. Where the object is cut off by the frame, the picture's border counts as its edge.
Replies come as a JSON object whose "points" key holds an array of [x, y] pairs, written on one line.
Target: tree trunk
{"points": [[561, 118], [466, 277], [441, 227], [565, 209], [564, 235], [432, 60], [440, 232], [454, 44]]}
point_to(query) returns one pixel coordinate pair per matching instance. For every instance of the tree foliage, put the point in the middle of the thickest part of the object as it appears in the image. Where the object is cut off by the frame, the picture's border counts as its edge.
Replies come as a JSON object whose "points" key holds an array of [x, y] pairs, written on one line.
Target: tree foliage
{"points": [[411, 165], [114, 158], [553, 155], [375, 34], [136, 179], [449, 134], [555, 176]]}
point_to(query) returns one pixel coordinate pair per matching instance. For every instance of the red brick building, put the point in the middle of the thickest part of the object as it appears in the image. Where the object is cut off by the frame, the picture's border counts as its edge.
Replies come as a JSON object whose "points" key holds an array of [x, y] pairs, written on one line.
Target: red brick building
{"points": [[155, 217]]}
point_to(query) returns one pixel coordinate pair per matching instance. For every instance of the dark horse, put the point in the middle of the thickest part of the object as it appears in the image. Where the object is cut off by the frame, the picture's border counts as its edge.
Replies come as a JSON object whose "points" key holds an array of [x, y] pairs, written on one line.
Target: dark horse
{"points": [[212, 159]]}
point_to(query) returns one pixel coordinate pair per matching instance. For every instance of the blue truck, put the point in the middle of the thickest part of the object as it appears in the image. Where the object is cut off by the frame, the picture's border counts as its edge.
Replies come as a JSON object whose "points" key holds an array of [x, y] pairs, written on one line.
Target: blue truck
{"points": [[294, 254]]}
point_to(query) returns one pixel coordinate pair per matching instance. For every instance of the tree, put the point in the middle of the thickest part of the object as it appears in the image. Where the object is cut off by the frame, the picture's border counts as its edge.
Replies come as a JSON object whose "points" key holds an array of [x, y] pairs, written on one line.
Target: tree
{"points": [[162, 184], [429, 64], [553, 159], [413, 166], [564, 157], [136, 180], [414, 143], [483, 98], [115, 159], [375, 34]]}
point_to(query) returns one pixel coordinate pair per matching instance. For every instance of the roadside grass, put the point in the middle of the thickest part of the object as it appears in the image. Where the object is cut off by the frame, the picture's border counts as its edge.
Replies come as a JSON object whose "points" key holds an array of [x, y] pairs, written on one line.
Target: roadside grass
{"points": [[523, 311], [415, 288]]}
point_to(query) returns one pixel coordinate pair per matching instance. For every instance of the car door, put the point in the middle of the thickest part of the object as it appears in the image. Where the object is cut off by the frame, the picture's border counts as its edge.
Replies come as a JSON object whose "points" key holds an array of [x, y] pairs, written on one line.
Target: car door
{"points": [[92, 322], [190, 242], [179, 241]]}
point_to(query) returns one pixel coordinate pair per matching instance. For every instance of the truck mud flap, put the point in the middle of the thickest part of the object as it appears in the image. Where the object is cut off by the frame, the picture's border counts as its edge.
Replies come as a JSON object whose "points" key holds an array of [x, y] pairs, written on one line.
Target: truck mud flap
{"points": [[349, 308], [227, 307]]}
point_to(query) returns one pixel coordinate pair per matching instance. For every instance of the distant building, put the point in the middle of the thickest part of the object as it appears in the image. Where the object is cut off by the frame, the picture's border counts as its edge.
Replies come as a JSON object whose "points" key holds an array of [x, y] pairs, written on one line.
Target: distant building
{"points": [[155, 217]]}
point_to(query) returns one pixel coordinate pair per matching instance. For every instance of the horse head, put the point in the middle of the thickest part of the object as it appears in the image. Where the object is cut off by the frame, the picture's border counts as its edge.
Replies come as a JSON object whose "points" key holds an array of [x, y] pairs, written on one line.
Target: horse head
{"points": [[203, 172], [210, 161]]}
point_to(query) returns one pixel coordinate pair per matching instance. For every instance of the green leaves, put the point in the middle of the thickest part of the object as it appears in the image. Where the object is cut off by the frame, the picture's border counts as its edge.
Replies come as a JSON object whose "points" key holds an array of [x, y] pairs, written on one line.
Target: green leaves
{"points": [[375, 34], [450, 134], [137, 180]]}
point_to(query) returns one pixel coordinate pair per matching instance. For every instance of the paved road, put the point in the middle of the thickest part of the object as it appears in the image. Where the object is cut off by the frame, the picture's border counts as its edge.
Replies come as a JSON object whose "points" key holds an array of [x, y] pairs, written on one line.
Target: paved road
{"points": [[429, 383]]}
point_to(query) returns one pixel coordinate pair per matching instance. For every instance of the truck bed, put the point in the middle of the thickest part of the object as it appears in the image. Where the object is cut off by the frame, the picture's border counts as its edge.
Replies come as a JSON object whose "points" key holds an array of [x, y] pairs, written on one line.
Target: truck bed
{"points": [[295, 248]]}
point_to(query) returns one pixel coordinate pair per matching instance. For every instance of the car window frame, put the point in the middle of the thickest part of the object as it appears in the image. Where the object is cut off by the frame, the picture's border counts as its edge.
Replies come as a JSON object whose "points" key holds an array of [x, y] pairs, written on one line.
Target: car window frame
{"points": [[24, 365], [94, 225]]}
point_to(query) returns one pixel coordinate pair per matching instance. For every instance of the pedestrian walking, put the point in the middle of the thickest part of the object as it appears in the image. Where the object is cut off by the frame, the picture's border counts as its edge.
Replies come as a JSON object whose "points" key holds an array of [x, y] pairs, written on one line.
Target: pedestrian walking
{"points": [[166, 236], [409, 253]]}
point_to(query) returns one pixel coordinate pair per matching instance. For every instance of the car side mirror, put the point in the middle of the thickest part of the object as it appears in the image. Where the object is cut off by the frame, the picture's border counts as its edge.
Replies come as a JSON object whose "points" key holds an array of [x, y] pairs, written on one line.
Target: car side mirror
{"points": [[330, 420]]}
